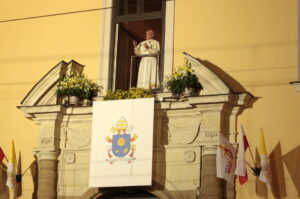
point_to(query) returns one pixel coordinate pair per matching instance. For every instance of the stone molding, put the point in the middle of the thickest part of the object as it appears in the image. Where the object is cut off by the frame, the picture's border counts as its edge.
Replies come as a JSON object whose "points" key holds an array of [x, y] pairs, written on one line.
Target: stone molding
{"points": [[296, 84]]}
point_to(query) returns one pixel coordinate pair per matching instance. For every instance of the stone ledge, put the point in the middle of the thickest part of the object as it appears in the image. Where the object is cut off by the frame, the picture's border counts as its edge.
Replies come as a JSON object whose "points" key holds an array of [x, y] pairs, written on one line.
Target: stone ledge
{"points": [[296, 84]]}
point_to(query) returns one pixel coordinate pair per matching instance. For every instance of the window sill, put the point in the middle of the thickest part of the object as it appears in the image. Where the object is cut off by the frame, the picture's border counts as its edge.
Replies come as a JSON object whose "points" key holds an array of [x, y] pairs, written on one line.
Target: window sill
{"points": [[296, 84]]}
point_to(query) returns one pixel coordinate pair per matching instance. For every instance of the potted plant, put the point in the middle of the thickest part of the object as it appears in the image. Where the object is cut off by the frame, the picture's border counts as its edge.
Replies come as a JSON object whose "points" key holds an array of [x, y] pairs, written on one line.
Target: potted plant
{"points": [[184, 79], [77, 88], [132, 93], [192, 84], [176, 84]]}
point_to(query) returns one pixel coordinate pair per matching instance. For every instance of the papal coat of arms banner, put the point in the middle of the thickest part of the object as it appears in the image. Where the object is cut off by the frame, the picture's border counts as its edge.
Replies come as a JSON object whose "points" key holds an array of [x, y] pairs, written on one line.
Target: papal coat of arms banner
{"points": [[122, 143]]}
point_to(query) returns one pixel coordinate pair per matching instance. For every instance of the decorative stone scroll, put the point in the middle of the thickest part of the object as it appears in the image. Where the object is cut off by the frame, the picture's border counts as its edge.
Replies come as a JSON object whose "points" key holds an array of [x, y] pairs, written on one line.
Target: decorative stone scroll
{"points": [[79, 135], [183, 130]]}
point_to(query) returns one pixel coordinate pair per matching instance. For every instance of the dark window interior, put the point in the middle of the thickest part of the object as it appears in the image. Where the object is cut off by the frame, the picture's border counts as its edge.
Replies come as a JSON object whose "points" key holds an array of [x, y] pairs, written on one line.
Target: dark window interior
{"points": [[137, 7], [126, 7], [129, 31], [132, 18], [152, 5]]}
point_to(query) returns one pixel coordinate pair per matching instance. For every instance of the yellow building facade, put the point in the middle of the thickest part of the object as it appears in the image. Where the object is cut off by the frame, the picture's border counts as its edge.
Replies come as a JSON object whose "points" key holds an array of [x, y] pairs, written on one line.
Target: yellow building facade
{"points": [[253, 41]]}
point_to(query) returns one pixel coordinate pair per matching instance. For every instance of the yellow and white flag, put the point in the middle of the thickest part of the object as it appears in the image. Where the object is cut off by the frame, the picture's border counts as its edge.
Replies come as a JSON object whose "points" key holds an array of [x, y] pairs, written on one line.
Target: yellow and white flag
{"points": [[11, 168], [265, 169]]}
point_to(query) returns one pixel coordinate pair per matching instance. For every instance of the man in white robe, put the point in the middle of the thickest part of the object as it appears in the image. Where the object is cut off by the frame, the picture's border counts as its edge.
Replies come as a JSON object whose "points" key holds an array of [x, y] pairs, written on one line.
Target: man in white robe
{"points": [[148, 69]]}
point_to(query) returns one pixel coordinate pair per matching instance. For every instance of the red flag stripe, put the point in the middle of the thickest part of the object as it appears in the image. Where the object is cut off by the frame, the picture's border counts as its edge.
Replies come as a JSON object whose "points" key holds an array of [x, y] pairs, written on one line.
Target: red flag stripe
{"points": [[246, 144], [1, 155], [243, 179]]}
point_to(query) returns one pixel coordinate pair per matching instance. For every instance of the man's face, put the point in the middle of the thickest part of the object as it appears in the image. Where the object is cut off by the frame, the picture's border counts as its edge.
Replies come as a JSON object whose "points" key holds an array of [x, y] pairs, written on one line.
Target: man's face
{"points": [[149, 35]]}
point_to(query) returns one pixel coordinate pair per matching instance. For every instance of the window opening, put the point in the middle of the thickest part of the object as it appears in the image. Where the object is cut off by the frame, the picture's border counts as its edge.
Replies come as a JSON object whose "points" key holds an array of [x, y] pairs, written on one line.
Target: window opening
{"points": [[130, 24]]}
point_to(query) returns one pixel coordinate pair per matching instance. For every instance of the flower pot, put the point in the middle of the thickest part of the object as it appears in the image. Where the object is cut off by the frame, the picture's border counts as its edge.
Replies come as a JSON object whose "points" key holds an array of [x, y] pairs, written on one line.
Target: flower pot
{"points": [[191, 92], [177, 95], [73, 100]]}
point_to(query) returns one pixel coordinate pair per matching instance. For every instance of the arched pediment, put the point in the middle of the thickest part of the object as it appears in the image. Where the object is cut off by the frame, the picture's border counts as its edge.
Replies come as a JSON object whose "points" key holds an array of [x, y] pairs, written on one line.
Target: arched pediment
{"points": [[213, 79], [44, 91]]}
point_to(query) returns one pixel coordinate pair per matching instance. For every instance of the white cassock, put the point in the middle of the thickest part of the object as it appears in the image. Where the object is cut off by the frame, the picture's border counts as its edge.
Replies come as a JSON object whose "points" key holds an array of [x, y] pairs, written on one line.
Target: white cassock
{"points": [[148, 70]]}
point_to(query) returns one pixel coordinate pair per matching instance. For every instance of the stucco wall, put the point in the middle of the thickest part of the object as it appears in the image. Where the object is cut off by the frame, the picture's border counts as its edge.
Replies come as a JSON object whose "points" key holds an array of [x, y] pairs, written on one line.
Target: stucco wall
{"points": [[29, 49], [255, 42]]}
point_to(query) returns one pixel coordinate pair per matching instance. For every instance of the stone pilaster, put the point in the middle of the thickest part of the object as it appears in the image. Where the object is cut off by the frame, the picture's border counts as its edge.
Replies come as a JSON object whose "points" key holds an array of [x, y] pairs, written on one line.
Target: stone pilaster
{"points": [[47, 152], [211, 186], [47, 179]]}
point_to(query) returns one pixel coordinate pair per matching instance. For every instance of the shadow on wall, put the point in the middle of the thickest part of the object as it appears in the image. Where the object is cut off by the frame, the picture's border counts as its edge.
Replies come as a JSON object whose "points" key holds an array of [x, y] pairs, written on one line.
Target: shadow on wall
{"points": [[159, 156], [278, 185], [34, 174], [18, 189], [233, 84], [4, 191], [292, 163], [261, 188]]}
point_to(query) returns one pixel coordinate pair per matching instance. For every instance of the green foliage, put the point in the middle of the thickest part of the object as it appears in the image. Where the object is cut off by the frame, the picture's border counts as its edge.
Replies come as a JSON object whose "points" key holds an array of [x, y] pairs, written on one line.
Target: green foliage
{"points": [[192, 81], [77, 85], [132, 93], [183, 78], [176, 85]]}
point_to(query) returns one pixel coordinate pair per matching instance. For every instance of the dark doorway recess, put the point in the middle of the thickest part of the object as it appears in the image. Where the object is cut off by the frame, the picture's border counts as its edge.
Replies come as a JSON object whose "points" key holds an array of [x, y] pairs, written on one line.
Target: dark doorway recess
{"points": [[128, 194]]}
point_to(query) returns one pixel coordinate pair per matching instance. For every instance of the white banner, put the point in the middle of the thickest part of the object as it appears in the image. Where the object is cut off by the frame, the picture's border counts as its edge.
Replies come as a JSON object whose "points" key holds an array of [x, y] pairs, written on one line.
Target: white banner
{"points": [[226, 158], [122, 143]]}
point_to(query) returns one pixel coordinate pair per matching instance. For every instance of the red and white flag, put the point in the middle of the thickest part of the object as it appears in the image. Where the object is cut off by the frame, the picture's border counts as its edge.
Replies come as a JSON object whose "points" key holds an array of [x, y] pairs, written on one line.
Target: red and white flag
{"points": [[241, 170], [226, 156], [2, 156]]}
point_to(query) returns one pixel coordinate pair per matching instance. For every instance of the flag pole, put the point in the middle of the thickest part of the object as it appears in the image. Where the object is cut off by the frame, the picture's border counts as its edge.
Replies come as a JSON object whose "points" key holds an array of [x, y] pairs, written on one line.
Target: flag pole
{"points": [[248, 164], [252, 156], [250, 150], [256, 170], [27, 169], [5, 158], [2, 168]]}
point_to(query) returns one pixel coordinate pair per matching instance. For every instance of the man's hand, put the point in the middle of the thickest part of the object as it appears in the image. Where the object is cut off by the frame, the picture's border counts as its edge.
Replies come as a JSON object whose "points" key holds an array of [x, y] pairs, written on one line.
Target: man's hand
{"points": [[134, 43], [145, 45]]}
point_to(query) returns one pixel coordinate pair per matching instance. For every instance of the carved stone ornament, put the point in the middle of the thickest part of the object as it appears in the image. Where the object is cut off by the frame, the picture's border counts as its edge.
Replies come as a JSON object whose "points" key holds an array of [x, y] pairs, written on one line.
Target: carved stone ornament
{"points": [[46, 141], [190, 156], [70, 157], [79, 137], [208, 136], [183, 130]]}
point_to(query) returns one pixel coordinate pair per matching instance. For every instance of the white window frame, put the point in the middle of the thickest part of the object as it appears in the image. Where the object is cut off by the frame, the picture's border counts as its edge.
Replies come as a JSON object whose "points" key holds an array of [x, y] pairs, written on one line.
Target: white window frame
{"points": [[297, 82], [106, 47]]}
